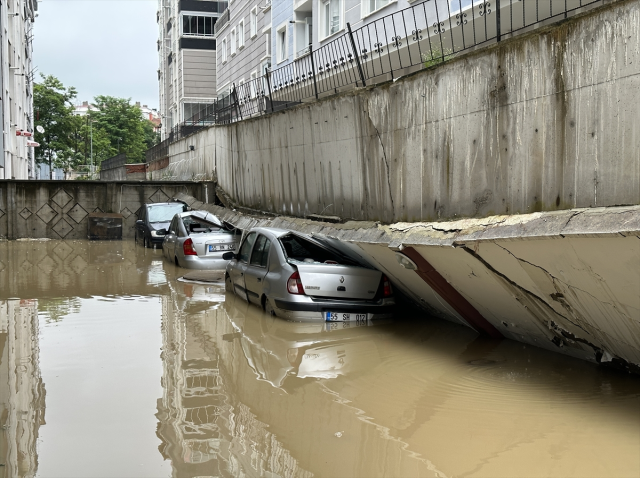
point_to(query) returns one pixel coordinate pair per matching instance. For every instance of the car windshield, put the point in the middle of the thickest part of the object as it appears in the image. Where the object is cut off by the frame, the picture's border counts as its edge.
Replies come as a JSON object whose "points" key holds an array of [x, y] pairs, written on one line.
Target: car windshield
{"points": [[164, 212]]}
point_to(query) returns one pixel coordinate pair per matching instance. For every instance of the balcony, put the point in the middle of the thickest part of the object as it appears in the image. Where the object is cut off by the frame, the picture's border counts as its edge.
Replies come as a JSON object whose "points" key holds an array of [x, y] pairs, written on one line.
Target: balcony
{"points": [[222, 21], [202, 6]]}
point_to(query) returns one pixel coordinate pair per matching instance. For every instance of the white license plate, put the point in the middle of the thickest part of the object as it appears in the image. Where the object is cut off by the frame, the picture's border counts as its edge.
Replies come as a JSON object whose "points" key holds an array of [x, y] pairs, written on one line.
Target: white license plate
{"points": [[344, 317], [220, 247]]}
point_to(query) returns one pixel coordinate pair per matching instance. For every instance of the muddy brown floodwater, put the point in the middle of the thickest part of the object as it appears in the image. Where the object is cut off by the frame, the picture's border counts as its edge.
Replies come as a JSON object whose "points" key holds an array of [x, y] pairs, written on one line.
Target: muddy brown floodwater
{"points": [[111, 367]]}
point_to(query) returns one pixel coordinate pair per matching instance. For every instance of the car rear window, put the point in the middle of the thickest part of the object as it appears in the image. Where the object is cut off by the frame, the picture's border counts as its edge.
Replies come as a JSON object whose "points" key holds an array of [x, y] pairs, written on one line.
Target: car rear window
{"points": [[195, 224], [301, 250]]}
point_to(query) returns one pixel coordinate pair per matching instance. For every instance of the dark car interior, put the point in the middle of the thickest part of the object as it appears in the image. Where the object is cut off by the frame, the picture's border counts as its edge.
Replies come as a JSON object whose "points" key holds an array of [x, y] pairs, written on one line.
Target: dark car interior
{"points": [[302, 250]]}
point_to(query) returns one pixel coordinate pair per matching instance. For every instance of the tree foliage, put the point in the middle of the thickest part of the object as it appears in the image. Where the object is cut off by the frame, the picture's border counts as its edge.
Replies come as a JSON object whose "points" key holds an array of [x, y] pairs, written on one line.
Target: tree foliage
{"points": [[53, 107], [112, 126]]}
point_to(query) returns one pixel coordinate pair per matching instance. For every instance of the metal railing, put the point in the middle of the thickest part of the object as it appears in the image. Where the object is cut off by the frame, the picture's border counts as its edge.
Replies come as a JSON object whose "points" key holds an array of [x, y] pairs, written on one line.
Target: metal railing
{"points": [[407, 40]]}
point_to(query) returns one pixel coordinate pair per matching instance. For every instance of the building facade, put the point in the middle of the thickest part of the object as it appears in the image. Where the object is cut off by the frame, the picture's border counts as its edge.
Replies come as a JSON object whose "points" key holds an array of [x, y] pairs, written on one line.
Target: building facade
{"points": [[16, 85], [187, 58], [244, 43]]}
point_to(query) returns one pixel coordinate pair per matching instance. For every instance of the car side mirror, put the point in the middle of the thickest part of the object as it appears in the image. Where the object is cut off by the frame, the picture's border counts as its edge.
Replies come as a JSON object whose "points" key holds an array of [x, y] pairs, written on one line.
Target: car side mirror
{"points": [[139, 221], [227, 256]]}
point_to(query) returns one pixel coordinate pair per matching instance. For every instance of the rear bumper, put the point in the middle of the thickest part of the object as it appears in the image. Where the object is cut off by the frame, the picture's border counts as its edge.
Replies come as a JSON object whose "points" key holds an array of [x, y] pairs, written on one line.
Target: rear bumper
{"points": [[202, 263], [316, 310], [332, 306]]}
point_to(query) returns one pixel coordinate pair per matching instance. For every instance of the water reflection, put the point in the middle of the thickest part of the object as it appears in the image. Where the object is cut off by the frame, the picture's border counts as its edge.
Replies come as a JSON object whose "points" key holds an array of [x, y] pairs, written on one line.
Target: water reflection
{"points": [[245, 394]]}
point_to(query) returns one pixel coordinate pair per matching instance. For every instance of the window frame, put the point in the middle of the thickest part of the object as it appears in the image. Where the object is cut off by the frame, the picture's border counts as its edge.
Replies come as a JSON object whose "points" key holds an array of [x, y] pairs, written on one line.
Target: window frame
{"points": [[284, 27], [365, 11], [341, 24], [233, 42], [224, 50], [253, 23], [241, 34]]}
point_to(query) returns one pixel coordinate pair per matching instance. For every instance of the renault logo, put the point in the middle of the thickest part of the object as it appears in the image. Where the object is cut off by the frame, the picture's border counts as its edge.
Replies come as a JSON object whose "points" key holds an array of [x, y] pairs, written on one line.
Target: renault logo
{"points": [[341, 279]]}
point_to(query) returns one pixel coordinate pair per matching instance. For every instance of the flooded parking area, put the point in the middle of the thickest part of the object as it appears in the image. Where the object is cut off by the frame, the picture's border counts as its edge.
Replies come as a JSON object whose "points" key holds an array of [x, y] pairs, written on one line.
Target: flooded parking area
{"points": [[110, 366]]}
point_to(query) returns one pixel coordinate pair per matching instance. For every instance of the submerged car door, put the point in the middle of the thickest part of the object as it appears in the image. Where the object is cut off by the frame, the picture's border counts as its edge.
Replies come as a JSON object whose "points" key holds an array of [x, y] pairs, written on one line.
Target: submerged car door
{"points": [[169, 245], [257, 269], [236, 272]]}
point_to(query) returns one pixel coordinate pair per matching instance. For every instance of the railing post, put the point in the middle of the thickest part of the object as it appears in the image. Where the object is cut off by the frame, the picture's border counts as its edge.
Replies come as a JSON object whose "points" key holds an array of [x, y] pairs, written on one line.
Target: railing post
{"points": [[266, 75], [355, 54], [313, 71], [235, 94], [498, 36]]}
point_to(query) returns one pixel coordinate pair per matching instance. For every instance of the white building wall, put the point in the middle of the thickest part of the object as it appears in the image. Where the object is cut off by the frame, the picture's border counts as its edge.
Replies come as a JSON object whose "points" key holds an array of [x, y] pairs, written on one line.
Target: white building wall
{"points": [[16, 100]]}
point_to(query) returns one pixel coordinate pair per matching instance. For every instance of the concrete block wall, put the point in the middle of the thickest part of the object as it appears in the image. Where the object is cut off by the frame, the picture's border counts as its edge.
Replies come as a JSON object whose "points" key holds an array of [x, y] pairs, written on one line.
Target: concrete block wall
{"points": [[59, 209], [544, 121]]}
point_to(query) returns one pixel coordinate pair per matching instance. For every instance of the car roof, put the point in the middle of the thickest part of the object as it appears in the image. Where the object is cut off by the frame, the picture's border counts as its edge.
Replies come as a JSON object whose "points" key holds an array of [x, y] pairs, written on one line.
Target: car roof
{"points": [[151, 204], [274, 232], [205, 215]]}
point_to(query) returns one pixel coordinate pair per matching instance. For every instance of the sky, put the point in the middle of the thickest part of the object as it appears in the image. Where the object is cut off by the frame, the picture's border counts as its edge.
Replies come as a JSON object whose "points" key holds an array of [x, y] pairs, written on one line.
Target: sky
{"points": [[102, 47]]}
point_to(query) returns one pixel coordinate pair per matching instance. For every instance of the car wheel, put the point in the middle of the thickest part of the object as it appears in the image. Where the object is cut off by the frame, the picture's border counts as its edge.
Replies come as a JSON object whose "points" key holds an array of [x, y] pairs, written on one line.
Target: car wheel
{"points": [[268, 308], [175, 259]]}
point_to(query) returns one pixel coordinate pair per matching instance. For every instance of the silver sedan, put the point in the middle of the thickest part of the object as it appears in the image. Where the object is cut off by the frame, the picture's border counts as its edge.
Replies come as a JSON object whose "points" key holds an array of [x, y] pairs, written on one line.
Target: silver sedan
{"points": [[300, 277], [198, 240]]}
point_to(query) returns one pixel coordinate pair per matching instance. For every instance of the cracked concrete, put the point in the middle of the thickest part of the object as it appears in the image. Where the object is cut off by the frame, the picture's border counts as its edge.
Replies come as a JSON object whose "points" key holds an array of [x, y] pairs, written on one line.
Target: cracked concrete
{"points": [[567, 281]]}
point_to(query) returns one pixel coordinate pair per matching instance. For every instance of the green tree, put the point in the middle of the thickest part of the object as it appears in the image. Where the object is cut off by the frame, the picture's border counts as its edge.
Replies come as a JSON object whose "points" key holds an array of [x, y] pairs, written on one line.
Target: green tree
{"points": [[123, 124], [151, 137], [53, 106]]}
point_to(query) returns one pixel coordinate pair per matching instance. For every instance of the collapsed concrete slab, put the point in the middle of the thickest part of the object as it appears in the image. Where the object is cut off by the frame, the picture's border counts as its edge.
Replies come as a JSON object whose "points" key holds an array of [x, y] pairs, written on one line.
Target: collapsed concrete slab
{"points": [[567, 281]]}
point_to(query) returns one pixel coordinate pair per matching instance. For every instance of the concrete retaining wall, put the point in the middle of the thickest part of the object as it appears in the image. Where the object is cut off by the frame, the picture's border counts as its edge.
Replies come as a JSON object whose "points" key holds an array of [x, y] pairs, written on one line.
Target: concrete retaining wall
{"points": [[542, 122], [567, 281], [59, 209]]}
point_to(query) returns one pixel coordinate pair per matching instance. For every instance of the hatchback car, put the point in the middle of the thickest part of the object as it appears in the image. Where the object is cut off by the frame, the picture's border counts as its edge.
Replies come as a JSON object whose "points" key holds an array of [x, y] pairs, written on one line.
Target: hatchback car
{"points": [[153, 220], [198, 240], [300, 277]]}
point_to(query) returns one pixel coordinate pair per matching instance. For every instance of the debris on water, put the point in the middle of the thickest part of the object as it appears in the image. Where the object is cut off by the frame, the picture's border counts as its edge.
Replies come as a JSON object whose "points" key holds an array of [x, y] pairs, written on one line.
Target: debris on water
{"points": [[338, 434]]}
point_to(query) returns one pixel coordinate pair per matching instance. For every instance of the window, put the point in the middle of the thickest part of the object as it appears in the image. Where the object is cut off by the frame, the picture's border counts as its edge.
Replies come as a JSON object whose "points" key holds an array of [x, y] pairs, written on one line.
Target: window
{"points": [[253, 22], [224, 50], [332, 17], [243, 256], [253, 90], [260, 254], [267, 43], [195, 25], [281, 43], [234, 42], [241, 34], [197, 111], [371, 6]]}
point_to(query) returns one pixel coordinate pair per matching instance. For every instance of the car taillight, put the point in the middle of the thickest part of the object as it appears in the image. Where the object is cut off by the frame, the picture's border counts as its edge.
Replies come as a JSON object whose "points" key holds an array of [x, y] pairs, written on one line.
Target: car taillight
{"points": [[188, 248], [294, 284], [386, 287]]}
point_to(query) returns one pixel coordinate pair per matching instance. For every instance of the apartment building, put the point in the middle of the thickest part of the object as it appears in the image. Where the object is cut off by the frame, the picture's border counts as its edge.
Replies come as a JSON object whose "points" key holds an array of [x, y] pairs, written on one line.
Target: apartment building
{"points": [[243, 34], [187, 58], [16, 87]]}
